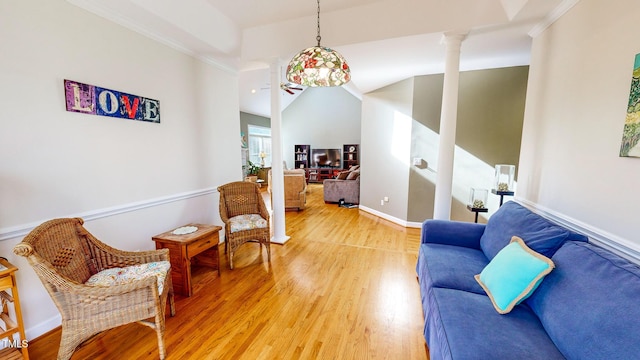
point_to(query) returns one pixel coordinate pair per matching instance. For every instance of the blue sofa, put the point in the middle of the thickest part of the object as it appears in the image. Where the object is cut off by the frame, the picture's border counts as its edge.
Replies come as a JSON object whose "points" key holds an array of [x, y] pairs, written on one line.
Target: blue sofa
{"points": [[588, 307]]}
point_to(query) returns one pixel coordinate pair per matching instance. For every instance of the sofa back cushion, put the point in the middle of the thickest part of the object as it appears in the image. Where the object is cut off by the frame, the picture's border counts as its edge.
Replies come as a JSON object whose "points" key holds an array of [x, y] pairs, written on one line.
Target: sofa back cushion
{"points": [[513, 219], [342, 175], [353, 175], [589, 304]]}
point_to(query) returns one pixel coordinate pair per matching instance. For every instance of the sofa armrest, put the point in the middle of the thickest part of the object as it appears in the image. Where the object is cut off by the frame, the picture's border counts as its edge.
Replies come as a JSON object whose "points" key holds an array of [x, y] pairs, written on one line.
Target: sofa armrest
{"points": [[452, 233]]}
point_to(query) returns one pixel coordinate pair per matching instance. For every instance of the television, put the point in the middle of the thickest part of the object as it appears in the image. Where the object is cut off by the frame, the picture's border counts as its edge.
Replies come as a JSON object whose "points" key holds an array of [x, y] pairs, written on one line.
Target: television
{"points": [[326, 158]]}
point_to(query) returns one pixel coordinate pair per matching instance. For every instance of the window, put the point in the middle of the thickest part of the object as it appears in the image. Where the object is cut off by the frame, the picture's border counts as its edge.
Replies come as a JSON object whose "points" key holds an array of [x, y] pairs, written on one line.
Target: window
{"points": [[260, 143]]}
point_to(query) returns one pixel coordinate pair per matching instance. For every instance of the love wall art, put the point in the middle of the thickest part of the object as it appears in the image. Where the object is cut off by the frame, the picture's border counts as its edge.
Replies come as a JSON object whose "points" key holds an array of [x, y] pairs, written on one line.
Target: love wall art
{"points": [[94, 100]]}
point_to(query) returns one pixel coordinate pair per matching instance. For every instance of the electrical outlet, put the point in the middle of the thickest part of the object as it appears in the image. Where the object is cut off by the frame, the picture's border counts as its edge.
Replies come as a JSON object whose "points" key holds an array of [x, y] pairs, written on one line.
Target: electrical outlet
{"points": [[386, 199]]}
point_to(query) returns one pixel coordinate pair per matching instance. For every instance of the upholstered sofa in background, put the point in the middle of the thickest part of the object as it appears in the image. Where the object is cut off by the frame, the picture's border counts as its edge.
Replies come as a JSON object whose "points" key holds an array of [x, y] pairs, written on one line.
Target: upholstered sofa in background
{"points": [[584, 308], [346, 186], [295, 188]]}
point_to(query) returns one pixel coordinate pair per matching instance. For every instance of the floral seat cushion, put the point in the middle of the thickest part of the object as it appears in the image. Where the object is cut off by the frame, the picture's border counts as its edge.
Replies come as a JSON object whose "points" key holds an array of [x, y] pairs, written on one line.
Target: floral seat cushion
{"points": [[117, 276], [247, 222]]}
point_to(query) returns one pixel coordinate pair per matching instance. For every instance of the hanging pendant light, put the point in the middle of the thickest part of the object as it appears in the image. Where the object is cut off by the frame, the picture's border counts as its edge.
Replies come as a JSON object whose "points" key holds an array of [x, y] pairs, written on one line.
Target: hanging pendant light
{"points": [[318, 66]]}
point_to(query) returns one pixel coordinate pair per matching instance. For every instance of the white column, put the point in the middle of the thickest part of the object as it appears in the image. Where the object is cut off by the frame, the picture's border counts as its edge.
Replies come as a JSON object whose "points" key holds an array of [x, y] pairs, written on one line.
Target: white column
{"points": [[277, 175], [448, 119]]}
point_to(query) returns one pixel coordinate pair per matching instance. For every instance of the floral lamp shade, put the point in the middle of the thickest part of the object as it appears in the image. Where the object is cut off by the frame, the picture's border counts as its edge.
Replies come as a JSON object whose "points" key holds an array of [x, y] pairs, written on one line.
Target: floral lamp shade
{"points": [[318, 66]]}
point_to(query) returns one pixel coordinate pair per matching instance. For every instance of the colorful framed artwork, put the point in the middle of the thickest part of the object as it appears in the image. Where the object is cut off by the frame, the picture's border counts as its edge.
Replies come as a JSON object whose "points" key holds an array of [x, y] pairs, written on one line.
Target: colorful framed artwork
{"points": [[631, 133], [94, 100]]}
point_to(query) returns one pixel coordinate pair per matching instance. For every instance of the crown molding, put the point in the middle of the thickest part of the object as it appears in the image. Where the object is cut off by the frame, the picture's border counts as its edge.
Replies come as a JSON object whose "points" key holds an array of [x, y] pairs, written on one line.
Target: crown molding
{"points": [[556, 14], [96, 8]]}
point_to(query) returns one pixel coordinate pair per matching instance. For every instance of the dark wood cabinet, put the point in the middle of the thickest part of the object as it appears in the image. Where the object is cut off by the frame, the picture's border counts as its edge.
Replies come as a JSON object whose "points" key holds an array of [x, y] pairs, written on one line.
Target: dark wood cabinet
{"points": [[350, 155], [301, 156], [320, 174]]}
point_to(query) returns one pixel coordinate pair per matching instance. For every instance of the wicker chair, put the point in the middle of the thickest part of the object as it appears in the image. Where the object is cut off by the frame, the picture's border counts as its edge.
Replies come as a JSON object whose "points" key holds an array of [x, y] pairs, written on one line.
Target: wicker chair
{"points": [[238, 201], [65, 255]]}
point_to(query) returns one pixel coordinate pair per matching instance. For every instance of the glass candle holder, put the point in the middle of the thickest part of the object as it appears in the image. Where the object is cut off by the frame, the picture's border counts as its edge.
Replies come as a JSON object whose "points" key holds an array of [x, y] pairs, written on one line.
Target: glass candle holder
{"points": [[478, 198], [504, 177]]}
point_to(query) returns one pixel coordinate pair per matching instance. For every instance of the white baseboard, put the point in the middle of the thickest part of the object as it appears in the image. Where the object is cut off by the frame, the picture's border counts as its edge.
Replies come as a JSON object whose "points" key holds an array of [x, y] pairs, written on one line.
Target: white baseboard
{"points": [[280, 240], [393, 219], [43, 327], [602, 238], [413, 224]]}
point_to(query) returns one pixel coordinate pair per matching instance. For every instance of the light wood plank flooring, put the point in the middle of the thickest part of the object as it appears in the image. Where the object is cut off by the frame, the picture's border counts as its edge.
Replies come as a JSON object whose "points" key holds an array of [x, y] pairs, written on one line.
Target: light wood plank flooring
{"points": [[343, 287]]}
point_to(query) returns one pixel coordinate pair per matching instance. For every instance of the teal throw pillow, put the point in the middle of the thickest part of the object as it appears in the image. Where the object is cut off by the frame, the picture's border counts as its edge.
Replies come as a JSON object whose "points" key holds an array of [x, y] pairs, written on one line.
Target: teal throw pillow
{"points": [[513, 275]]}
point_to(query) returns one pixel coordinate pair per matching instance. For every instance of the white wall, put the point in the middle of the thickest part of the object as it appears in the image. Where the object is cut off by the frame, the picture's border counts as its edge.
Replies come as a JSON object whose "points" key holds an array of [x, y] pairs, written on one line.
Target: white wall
{"points": [[579, 83], [325, 118], [130, 179], [386, 150]]}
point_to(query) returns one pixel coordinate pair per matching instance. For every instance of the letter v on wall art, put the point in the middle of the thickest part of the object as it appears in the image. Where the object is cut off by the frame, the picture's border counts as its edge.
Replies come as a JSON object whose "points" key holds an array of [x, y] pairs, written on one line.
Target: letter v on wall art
{"points": [[631, 133], [94, 100]]}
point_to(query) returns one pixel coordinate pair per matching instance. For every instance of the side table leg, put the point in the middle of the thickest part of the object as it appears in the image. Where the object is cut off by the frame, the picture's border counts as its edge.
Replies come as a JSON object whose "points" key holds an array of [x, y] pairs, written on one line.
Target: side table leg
{"points": [[187, 271]]}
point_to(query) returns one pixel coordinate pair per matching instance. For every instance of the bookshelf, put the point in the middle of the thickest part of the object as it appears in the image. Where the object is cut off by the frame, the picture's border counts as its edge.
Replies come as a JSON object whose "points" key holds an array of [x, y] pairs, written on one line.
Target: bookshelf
{"points": [[350, 155], [301, 156]]}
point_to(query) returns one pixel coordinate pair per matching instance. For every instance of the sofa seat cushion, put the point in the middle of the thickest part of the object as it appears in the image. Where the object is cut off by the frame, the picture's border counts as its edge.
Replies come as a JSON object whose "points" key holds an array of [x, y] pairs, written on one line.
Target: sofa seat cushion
{"points": [[247, 222], [589, 303], [125, 275], [466, 326], [513, 219], [450, 266]]}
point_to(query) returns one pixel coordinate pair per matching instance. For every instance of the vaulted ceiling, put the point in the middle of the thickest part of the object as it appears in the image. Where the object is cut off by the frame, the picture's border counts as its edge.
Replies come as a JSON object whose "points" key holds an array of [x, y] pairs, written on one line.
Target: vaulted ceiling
{"points": [[384, 41]]}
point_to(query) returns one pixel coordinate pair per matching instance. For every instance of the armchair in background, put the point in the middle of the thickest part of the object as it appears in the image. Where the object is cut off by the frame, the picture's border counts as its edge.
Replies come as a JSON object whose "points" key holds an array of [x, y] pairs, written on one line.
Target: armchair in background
{"points": [[295, 189]]}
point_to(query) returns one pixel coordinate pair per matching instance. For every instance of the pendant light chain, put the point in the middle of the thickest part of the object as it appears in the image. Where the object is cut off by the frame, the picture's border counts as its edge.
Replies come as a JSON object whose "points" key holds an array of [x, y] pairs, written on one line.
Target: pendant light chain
{"points": [[318, 37], [318, 66]]}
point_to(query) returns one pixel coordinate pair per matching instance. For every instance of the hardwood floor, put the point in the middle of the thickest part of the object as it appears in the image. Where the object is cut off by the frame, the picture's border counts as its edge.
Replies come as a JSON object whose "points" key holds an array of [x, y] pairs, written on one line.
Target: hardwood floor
{"points": [[343, 287]]}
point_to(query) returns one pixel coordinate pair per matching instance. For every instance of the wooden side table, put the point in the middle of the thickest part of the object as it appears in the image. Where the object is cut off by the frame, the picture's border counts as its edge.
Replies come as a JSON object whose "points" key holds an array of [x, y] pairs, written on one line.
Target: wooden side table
{"points": [[16, 348], [200, 247]]}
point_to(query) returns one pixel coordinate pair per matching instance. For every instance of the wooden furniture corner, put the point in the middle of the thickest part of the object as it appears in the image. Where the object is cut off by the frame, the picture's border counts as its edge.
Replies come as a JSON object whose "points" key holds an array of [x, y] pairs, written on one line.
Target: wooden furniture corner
{"points": [[14, 348], [200, 247]]}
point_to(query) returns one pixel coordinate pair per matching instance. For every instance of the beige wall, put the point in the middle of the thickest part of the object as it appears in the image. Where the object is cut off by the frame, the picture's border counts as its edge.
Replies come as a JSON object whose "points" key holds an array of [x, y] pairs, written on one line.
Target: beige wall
{"points": [[490, 114], [247, 119], [427, 103], [129, 179], [576, 102]]}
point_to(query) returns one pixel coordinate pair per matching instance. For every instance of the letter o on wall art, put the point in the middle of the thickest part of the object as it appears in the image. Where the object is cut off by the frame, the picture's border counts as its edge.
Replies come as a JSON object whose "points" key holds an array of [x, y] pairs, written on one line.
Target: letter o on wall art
{"points": [[94, 100]]}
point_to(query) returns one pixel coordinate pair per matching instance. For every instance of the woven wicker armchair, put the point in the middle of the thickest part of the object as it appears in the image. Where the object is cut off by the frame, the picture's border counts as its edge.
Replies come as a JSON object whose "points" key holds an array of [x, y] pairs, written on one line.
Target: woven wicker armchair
{"points": [[237, 200], [65, 255]]}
